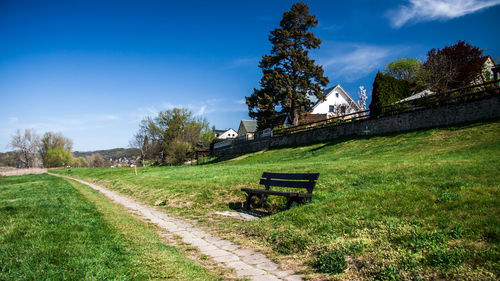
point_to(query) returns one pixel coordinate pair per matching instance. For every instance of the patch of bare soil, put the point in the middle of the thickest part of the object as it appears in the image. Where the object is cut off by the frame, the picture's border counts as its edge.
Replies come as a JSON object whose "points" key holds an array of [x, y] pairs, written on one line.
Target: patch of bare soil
{"points": [[9, 171]]}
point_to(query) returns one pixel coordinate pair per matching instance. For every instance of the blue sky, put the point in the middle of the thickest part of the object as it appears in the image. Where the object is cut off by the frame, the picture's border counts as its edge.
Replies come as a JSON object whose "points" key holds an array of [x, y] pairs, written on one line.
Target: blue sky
{"points": [[93, 69]]}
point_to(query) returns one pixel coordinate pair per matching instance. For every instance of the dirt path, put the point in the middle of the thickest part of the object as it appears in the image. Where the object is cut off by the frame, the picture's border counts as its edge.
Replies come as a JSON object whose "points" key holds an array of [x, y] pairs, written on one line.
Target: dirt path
{"points": [[5, 171], [247, 263]]}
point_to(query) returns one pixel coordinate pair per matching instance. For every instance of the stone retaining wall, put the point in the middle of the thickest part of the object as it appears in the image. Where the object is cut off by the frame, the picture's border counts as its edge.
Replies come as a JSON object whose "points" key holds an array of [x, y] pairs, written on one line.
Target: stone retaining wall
{"points": [[419, 119]]}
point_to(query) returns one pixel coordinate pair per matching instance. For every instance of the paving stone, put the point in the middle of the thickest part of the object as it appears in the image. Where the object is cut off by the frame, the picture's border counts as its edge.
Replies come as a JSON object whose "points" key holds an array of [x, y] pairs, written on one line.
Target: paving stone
{"points": [[266, 277], [223, 243], [282, 273], [215, 253], [227, 258], [229, 247], [255, 259], [269, 266], [238, 265], [250, 272], [244, 252], [212, 239]]}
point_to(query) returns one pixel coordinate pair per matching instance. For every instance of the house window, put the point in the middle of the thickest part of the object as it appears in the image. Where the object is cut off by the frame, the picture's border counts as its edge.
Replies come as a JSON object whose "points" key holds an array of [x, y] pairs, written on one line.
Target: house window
{"points": [[337, 95], [331, 108]]}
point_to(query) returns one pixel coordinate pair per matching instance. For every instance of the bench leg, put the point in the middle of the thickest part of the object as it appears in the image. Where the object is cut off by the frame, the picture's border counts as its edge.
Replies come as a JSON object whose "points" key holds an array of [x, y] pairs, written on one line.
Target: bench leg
{"points": [[247, 203]]}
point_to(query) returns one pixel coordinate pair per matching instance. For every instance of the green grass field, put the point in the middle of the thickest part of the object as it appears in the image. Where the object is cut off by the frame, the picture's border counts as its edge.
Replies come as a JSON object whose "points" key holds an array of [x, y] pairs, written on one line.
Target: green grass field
{"points": [[419, 205], [51, 229]]}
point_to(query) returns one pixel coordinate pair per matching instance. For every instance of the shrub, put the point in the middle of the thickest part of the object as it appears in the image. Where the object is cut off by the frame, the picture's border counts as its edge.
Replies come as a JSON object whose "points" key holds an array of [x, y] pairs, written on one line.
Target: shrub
{"points": [[331, 261]]}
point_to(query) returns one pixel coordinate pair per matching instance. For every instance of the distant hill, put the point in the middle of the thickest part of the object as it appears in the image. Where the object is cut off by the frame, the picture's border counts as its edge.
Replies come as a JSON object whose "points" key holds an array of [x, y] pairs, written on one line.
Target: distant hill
{"points": [[115, 153], [7, 159]]}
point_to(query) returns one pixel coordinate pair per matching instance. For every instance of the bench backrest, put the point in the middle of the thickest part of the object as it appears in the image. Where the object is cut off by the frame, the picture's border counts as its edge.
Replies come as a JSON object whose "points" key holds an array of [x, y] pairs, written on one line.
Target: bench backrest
{"points": [[307, 181]]}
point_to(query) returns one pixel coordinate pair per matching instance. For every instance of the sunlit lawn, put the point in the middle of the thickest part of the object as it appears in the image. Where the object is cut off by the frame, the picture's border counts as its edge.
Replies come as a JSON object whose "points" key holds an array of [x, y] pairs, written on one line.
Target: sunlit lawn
{"points": [[53, 230], [423, 204]]}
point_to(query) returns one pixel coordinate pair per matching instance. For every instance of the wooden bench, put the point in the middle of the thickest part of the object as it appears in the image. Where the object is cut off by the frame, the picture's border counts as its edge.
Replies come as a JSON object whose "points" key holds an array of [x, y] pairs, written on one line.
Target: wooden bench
{"points": [[306, 181]]}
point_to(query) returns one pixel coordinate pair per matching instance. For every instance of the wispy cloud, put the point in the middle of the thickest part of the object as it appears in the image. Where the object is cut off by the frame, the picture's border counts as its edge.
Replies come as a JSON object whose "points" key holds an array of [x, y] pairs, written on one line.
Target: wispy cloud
{"points": [[241, 101], [330, 27], [108, 117], [201, 108], [429, 10], [243, 62], [352, 61]]}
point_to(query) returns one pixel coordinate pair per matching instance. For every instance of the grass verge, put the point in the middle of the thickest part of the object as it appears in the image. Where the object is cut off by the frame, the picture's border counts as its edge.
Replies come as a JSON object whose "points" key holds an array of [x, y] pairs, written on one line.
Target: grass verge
{"points": [[55, 230]]}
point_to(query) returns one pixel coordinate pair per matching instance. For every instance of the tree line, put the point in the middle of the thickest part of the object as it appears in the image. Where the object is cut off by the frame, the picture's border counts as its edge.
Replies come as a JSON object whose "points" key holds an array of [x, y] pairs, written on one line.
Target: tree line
{"points": [[448, 68], [49, 150]]}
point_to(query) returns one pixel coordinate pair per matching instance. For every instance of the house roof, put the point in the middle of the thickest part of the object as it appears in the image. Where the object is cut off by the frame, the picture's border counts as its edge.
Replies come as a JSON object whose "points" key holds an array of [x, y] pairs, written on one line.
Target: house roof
{"points": [[329, 91], [309, 117], [249, 125], [417, 95], [220, 132], [280, 120]]}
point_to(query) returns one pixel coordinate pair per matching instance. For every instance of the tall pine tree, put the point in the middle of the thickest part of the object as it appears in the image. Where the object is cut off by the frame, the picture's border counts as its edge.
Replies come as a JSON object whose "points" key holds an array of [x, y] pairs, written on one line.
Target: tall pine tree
{"points": [[289, 75]]}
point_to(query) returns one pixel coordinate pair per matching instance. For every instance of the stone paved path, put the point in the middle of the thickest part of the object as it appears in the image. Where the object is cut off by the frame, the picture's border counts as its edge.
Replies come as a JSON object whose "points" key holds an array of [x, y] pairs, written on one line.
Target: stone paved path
{"points": [[247, 263]]}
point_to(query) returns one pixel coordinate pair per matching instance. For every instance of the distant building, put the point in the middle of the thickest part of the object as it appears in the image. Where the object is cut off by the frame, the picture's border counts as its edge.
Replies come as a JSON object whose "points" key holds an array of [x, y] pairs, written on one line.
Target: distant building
{"points": [[282, 121], [226, 134], [247, 129], [337, 103]]}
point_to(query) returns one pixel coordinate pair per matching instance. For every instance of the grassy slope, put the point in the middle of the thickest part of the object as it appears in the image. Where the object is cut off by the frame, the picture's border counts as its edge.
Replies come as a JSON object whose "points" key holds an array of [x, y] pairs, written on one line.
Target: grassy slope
{"points": [[420, 204], [51, 230]]}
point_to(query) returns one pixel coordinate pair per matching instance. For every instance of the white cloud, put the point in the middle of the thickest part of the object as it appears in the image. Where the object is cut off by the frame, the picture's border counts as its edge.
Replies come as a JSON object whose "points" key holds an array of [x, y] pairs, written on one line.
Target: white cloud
{"points": [[352, 61], [243, 62], [201, 111], [428, 10], [108, 117]]}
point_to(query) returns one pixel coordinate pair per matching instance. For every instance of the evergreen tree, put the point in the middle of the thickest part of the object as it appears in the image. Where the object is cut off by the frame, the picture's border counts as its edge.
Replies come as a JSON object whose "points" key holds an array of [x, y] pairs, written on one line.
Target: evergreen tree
{"points": [[289, 75], [387, 90]]}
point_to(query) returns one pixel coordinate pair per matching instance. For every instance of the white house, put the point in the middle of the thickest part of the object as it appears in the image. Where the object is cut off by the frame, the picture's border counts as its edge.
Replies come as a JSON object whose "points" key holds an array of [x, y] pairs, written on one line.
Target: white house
{"points": [[337, 102], [226, 134]]}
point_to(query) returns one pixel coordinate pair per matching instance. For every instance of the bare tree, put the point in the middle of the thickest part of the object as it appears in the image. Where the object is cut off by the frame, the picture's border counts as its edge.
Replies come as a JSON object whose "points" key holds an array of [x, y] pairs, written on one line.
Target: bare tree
{"points": [[362, 98], [27, 148], [95, 160]]}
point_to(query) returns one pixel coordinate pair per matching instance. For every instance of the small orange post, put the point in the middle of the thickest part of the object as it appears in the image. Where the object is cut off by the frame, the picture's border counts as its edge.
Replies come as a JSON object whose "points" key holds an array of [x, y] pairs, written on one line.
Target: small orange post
{"points": [[135, 170]]}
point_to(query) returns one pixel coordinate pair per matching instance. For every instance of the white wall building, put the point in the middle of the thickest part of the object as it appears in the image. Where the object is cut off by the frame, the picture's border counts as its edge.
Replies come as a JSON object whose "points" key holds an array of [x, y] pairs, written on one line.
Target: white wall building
{"points": [[337, 102], [226, 134]]}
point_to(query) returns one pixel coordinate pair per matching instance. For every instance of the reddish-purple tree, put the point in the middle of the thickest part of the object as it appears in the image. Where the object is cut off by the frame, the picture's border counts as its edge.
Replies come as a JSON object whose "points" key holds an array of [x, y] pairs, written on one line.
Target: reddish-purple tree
{"points": [[453, 66]]}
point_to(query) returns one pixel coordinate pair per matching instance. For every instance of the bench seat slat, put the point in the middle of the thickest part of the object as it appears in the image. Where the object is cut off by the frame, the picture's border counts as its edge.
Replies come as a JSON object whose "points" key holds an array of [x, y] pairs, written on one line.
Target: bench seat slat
{"points": [[296, 176], [280, 193], [294, 184]]}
